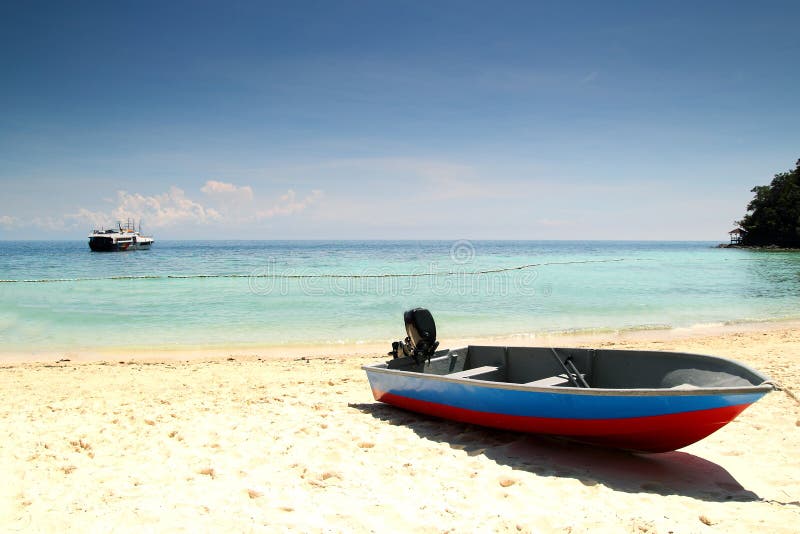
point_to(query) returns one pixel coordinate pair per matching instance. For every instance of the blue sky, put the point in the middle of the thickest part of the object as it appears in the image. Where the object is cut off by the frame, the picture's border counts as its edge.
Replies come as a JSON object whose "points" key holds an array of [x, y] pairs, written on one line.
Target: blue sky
{"points": [[507, 120]]}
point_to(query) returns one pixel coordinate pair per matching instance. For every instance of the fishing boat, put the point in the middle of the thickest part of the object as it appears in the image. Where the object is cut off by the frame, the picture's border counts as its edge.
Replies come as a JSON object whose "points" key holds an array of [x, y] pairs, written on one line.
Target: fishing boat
{"points": [[123, 237], [644, 401]]}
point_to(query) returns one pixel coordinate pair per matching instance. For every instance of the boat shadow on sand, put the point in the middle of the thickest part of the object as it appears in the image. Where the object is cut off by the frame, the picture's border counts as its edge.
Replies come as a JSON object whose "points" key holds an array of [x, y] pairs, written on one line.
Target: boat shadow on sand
{"points": [[671, 473]]}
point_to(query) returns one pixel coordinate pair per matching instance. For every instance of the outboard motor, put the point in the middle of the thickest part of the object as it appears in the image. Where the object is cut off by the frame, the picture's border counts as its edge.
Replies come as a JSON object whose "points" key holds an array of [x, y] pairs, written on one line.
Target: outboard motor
{"points": [[420, 342]]}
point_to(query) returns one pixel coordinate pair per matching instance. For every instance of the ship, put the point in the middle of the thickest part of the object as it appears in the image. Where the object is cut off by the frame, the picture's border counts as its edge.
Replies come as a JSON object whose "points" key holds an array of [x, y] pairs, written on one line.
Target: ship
{"points": [[123, 237]]}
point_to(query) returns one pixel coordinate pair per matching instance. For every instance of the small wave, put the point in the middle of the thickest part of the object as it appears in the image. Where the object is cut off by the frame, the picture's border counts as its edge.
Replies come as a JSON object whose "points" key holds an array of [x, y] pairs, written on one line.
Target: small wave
{"points": [[704, 326], [605, 330], [776, 319]]}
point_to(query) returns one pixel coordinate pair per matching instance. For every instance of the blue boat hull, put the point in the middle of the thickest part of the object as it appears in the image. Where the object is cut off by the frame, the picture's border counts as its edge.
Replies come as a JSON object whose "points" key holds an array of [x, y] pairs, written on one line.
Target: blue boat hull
{"points": [[638, 420]]}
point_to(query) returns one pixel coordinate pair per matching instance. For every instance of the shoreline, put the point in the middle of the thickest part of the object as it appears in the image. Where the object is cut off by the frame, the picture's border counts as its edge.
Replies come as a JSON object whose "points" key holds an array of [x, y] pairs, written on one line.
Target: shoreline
{"points": [[759, 248], [379, 349]]}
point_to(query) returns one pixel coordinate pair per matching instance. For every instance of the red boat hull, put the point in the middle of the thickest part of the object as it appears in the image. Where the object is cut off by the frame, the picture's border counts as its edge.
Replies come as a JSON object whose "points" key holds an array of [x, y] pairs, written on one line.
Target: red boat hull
{"points": [[656, 433]]}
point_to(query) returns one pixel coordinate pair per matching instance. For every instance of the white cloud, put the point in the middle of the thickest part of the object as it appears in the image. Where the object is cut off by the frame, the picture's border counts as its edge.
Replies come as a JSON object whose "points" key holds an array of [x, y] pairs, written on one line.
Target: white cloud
{"points": [[288, 204], [157, 211], [162, 210], [227, 205]]}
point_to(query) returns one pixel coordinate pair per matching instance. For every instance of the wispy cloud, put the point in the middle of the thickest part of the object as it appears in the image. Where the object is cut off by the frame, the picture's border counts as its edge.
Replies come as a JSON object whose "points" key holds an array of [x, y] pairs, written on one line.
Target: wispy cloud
{"points": [[288, 204], [8, 220], [237, 203], [447, 181], [49, 222], [427, 179], [555, 223], [227, 191], [514, 80], [589, 78], [95, 219]]}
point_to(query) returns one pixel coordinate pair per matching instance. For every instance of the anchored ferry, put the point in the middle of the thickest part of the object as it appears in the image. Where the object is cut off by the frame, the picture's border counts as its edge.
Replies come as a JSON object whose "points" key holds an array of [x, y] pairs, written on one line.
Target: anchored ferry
{"points": [[123, 237]]}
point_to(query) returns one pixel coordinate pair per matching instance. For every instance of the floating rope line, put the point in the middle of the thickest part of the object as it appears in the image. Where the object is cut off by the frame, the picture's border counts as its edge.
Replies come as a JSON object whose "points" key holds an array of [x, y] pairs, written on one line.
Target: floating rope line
{"points": [[303, 276]]}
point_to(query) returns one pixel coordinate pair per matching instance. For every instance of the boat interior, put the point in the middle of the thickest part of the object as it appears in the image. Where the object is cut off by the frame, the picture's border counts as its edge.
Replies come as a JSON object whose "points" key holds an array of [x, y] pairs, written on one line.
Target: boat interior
{"points": [[597, 368], [563, 367]]}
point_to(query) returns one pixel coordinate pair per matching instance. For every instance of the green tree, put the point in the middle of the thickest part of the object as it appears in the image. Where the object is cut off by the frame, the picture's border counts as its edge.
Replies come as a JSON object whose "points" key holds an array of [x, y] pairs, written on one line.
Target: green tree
{"points": [[773, 216]]}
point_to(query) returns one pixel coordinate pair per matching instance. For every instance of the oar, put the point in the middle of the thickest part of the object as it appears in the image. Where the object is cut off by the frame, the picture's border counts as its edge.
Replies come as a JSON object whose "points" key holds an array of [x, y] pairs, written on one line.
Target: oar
{"points": [[573, 374]]}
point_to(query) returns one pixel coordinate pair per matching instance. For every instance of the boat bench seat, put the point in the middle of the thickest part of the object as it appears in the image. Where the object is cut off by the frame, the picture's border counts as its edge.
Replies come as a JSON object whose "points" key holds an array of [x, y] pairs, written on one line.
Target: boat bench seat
{"points": [[475, 371], [551, 381]]}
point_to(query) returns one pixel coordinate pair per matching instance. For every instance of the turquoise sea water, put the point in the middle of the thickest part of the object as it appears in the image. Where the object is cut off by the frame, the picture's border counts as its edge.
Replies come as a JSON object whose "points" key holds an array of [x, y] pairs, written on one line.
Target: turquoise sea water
{"points": [[60, 296]]}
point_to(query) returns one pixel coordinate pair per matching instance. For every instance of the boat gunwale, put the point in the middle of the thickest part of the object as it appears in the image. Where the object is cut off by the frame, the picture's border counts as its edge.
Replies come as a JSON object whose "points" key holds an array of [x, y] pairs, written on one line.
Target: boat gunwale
{"points": [[766, 386]]}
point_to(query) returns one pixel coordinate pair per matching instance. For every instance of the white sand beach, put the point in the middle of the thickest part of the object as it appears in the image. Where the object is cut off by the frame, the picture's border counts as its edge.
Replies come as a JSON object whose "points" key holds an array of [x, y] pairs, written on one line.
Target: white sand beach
{"points": [[263, 443]]}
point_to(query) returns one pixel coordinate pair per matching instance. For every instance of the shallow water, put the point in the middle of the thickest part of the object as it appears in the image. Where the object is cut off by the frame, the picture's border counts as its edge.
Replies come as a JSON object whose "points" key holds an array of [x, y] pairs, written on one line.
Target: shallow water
{"points": [[60, 296]]}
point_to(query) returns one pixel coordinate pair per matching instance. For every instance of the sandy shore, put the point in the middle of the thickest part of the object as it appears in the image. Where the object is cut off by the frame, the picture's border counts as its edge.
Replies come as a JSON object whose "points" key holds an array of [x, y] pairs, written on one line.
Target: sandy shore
{"points": [[262, 442]]}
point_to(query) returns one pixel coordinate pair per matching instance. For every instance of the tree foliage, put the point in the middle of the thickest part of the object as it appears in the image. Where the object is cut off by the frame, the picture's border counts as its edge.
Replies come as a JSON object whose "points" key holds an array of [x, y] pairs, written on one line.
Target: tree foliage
{"points": [[773, 216]]}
